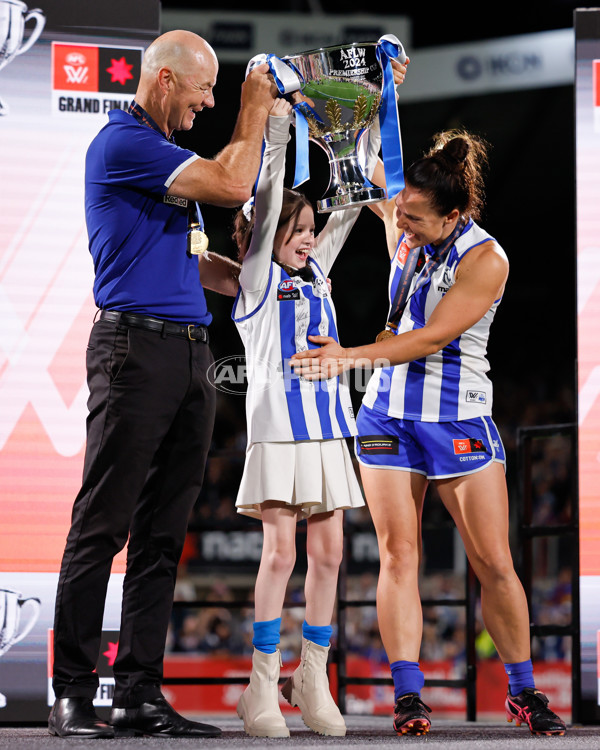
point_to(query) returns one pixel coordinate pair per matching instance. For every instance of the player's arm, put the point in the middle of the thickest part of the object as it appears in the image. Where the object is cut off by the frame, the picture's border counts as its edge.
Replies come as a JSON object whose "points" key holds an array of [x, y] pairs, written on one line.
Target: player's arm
{"points": [[268, 200], [386, 210], [228, 179], [219, 273], [479, 283]]}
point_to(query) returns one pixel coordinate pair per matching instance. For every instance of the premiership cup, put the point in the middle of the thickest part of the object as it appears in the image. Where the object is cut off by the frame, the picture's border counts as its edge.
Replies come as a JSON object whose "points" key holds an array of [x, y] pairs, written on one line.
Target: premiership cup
{"points": [[11, 603], [344, 85], [13, 17]]}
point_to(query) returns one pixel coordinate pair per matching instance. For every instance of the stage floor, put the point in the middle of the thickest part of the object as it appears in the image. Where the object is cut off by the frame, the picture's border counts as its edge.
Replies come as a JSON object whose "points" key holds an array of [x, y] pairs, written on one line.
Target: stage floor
{"points": [[362, 731]]}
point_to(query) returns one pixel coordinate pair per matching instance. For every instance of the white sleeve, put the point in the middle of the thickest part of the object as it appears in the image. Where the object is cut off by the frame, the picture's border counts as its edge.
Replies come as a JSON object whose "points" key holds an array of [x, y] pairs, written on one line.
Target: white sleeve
{"points": [[267, 206], [334, 234]]}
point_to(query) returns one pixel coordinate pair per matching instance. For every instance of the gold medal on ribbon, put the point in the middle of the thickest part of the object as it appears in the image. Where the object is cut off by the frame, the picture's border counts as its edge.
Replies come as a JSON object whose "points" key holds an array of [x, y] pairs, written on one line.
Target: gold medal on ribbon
{"points": [[197, 240], [385, 334]]}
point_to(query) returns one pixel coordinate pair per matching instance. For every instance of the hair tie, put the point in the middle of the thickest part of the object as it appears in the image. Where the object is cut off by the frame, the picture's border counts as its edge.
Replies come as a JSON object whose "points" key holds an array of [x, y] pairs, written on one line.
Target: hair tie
{"points": [[247, 208]]}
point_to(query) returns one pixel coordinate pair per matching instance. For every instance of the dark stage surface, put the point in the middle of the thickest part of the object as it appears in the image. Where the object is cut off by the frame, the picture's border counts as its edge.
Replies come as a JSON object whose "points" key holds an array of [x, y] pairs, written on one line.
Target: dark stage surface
{"points": [[362, 731]]}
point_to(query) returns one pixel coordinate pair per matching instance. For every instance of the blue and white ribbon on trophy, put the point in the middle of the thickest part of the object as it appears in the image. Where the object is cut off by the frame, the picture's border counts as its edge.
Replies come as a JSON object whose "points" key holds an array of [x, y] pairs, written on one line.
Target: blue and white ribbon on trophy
{"points": [[389, 47], [288, 79]]}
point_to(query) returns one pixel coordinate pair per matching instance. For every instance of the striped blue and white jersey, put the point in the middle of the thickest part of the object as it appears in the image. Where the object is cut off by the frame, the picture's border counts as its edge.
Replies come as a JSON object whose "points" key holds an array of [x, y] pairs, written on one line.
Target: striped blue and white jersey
{"points": [[275, 313], [451, 384]]}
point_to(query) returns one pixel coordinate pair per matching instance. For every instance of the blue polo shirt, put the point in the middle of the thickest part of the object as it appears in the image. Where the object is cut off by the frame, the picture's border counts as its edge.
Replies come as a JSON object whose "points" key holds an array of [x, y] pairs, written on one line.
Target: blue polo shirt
{"points": [[137, 234]]}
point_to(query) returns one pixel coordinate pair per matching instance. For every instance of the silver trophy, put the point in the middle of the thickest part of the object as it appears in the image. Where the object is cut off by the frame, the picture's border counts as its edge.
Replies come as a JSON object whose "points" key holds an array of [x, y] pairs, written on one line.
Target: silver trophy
{"points": [[344, 87], [13, 17], [11, 603]]}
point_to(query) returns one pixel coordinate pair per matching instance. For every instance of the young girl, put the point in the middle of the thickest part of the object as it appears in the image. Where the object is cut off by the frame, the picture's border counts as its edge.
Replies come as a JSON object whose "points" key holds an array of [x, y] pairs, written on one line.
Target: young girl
{"points": [[298, 465]]}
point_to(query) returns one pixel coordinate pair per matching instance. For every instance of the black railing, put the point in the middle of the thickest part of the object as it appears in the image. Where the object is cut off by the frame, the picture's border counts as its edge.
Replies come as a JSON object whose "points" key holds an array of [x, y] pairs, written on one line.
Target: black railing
{"points": [[528, 532], [468, 682]]}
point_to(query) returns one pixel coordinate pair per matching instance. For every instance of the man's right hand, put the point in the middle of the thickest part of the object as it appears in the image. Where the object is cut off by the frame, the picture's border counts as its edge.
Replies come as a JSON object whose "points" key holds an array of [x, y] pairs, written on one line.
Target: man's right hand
{"points": [[259, 88]]}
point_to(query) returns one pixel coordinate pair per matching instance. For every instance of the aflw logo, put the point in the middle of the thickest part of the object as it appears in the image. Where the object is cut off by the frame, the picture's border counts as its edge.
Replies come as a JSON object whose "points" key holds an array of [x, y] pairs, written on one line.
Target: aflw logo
{"points": [[75, 67], [97, 68], [76, 75]]}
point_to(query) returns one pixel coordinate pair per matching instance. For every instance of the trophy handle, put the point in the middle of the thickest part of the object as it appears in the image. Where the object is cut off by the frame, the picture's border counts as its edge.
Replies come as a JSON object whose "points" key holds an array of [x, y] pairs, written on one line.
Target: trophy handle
{"points": [[35, 603], [40, 22]]}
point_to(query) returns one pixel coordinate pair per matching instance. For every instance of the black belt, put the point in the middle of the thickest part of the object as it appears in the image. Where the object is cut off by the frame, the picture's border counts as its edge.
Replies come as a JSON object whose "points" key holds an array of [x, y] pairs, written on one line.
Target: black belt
{"points": [[190, 331]]}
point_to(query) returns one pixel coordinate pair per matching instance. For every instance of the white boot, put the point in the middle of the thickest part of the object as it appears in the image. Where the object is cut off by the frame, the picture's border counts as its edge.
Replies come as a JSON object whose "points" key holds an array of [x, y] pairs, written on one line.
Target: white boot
{"points": [[258, 705], [308, 688]]}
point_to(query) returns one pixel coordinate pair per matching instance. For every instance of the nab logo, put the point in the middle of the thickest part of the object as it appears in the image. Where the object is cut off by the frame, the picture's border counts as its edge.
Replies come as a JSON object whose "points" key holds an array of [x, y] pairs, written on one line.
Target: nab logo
{"points": [[476, 397]]}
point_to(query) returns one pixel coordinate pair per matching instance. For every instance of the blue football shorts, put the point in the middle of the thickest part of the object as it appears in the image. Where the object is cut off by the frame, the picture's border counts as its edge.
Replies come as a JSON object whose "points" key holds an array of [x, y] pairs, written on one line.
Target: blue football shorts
{"points": [[438, 450]]}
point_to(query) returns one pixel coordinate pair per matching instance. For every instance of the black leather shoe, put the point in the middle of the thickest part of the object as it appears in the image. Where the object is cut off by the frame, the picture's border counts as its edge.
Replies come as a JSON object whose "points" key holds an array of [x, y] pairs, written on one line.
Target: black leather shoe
{"points": [[75, 717], [157, 718]]}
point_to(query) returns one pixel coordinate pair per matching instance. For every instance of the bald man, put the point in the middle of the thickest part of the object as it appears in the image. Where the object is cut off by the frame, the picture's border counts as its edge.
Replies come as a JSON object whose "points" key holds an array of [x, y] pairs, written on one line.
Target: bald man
{"points": [[151, 408]]}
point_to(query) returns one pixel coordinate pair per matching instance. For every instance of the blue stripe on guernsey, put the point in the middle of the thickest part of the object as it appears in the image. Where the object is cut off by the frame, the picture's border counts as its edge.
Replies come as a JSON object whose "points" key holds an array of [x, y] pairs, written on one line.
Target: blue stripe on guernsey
{"points": [[287, 329], [331, 331], [313, 262], [322, 397], [385, 387], [415, 379], [450, 381]]}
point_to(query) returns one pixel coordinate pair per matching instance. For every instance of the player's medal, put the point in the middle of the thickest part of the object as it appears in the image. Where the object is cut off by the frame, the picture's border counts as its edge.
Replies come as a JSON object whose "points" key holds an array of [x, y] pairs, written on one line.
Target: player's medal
{"points": [[197, 241], [387, 333]]}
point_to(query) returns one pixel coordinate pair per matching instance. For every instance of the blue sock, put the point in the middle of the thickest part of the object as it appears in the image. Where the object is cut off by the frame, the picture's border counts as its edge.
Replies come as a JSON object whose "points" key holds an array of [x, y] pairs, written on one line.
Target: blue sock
{"points": [[407, 677], [266, 635], [319, 634], [520, 676]]}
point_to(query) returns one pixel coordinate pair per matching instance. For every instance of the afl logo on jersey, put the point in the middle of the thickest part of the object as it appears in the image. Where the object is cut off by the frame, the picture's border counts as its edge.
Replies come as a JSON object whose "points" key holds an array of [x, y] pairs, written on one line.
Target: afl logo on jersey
{"points": [[286, 289]]}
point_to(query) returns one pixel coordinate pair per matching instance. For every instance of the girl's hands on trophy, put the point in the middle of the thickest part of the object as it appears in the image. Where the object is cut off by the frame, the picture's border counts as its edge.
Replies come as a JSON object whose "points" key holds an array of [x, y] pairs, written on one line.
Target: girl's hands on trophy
{"points": [[399, 70], [281, 108], [298, 98], [319, 364]]}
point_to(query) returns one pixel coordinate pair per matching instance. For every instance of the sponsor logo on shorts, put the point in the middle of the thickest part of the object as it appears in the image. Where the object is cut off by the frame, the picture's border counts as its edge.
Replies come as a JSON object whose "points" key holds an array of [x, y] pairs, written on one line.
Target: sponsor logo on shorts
{"points": [[468, 445], [378, 445], [286, 289], [476, 397]]}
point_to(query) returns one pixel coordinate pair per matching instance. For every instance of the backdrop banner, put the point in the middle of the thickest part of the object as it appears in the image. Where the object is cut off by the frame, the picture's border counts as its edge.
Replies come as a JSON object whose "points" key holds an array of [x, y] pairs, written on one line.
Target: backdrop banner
{"points": [[55, 90]]}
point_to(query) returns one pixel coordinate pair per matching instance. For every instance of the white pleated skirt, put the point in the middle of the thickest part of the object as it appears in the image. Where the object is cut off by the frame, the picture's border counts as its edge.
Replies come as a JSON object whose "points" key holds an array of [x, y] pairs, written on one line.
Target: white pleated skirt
{"points": [[315, 476]]}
